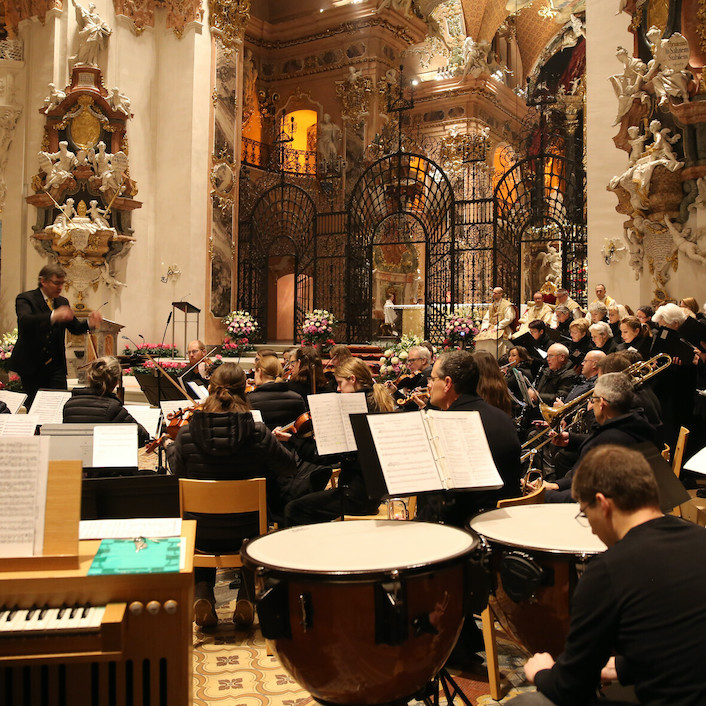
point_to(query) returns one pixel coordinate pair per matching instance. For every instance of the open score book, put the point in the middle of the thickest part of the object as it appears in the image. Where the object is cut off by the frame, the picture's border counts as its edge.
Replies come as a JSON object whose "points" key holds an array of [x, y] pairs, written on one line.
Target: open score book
{"points": [[416, 452]]}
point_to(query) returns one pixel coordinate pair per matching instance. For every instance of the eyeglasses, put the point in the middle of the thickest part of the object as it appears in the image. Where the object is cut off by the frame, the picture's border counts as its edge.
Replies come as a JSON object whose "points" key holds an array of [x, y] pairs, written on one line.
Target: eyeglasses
{"points": [[57, 282], [596, 398], [581, 515], [413, 360]]}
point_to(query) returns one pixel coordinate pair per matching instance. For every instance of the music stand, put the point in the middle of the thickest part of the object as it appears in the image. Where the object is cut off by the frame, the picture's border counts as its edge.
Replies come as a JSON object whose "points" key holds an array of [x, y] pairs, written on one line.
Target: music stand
{"points": [[187, 309]]}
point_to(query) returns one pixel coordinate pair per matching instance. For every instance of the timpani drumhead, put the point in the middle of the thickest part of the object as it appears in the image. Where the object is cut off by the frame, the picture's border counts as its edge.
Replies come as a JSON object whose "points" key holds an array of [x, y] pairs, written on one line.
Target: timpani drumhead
{"points": [[547, 528], [359, 546]]}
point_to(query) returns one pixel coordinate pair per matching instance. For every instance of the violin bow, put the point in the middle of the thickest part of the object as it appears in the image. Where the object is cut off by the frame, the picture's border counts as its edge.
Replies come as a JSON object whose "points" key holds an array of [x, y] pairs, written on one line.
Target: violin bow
{"points": [[171, 379]]}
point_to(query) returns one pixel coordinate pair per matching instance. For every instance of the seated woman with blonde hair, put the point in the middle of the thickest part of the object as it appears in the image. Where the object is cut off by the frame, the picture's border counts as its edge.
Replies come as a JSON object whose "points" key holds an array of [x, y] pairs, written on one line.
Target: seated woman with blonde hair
{"points": [[98, 402]]}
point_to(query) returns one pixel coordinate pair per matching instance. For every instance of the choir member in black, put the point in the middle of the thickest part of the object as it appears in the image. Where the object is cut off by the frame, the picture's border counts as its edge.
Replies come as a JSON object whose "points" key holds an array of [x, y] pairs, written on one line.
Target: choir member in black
{"points": [[307, 373], [563, 317], [350, 497], [223, 442], [581, 342], [272, 397], [691, 305], [98, 402], [635, 335], [644, 314], [602, 337], [597, 312], [614, 319]]}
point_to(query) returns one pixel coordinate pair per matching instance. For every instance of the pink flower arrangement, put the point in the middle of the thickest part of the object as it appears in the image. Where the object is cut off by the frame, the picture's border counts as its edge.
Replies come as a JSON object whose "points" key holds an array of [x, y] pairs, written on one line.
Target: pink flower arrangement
{"points": [[318, 327], [459, 331], [158, 349]]}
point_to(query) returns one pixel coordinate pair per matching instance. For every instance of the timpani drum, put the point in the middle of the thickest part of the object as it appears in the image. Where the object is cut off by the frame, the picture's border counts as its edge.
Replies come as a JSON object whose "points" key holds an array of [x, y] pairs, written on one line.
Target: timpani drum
{"points": [[362, 612], [538, 554]]}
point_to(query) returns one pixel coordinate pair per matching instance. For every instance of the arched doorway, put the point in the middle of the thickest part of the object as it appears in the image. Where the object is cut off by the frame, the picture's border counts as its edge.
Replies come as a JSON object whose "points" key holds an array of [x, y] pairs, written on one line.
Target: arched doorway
{"points": [[277, 253], [400, 239]]}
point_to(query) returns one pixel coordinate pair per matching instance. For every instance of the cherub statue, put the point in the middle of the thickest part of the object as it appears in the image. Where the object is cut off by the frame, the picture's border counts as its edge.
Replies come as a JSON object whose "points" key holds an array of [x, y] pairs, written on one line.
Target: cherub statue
{"points": [[637, 143], [685, 241], [57, 165], [119, 102], [56, 95], [91, 35], [661, 148], [62, 225], [354, 75], [97, 215]]}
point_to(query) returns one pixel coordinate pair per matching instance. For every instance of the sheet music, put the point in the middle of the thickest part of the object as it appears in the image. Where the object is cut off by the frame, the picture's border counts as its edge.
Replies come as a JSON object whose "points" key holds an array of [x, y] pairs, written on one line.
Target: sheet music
{"points": [[406, 456], [149, 417], [257, 415], [330, 417], [170, 406], [115, 445], [465, 450], [199, 390], [129, 528], [697, 463], [18, 424], [48, 405], [24, 466], [13, 400]]}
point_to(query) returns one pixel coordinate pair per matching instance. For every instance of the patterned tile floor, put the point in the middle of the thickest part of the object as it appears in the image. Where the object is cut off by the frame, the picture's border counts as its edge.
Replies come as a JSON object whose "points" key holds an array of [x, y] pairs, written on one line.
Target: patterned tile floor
{"points": [[231, 667]]}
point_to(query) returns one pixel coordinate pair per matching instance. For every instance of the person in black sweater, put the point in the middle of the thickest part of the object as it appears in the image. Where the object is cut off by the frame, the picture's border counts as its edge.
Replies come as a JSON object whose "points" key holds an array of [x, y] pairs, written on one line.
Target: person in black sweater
{"points": [[635, 335], [223, 442], [98, 402], [307, 376], [277, 403], [581, 342], [641, 600], [602, 336]]}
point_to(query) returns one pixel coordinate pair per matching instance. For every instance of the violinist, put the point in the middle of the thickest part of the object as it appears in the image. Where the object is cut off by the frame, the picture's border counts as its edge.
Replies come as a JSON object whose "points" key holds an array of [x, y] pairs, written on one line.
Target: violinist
{"points": [[337, 355], [223, 442], [307, 373], [98, 402], [418, 361], [277, 403], [200, 372]]}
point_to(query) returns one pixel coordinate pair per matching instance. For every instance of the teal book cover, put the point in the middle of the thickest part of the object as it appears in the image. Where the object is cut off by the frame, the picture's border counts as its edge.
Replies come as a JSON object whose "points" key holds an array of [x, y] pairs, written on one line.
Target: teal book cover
{"points": [[137, 556]]}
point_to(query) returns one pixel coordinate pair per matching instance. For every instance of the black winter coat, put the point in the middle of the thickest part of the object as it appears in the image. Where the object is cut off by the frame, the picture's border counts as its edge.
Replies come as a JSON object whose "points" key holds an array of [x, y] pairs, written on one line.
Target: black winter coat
{"points": [[85, 407], [277, 403]]}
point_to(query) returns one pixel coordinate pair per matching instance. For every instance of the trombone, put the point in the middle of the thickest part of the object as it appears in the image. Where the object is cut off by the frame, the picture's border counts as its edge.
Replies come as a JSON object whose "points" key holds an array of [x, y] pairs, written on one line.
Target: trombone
{"points": [[639, 372]]}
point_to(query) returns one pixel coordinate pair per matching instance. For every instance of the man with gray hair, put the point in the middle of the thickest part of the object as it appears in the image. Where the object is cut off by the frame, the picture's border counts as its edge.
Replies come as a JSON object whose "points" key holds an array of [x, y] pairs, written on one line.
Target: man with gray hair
{"points": [[612, 401], [419, 365], [557, 377]]}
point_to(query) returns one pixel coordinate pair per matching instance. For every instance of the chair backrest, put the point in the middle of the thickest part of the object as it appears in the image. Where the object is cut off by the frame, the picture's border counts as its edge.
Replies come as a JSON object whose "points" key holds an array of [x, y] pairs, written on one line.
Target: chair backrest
{"points": [[221, 497], [536, 497], [679, 451]]}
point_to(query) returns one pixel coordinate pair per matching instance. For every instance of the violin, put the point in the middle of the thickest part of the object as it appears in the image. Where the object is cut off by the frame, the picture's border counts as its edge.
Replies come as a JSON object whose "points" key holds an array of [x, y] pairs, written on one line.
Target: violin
{"points": [[175, 420], [421, 393], [301, 426]]}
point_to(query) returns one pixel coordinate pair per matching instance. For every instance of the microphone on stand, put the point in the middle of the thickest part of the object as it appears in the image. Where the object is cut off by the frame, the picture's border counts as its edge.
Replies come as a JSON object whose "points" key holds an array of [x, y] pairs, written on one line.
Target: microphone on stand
{"points": [[164, 335]]}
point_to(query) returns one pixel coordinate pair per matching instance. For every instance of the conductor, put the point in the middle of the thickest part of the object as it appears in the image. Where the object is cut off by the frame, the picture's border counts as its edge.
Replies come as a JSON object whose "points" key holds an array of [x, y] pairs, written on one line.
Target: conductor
{"points": [[43, 316]]}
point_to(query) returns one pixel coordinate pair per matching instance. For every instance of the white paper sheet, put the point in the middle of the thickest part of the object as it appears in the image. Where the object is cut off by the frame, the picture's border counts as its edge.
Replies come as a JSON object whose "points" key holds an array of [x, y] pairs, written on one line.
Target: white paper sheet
{"points": [[48, 405], [199, 390], [115, 445], [330, 416], [18, 424], [24, 464], [13, 400], [129, 528], [256, 415], [697, 463], [147, 416]]}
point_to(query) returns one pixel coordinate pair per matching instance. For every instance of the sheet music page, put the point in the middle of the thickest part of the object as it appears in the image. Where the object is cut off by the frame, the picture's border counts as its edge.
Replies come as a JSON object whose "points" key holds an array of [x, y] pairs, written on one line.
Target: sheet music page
{"points": [[48, 405], [24, 466], [332, 426], [13, 400], [129, 528], [18, 424], [256, 415], [115, 445], [199, 390], [147, 416], [170, 406], [697, 463], [405, 453], [467, 460]]}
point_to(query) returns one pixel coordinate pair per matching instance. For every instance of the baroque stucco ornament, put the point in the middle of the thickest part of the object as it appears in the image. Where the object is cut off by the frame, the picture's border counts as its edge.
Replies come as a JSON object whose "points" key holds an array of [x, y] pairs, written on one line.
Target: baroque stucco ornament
{"points": [[180, 13], [229, 18]]}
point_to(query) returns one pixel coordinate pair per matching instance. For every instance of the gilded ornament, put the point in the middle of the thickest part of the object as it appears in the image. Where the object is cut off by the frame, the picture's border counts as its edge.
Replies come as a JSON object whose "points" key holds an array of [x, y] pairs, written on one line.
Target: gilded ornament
{"points": [[229, 18], [701, 27], [85, 130]]}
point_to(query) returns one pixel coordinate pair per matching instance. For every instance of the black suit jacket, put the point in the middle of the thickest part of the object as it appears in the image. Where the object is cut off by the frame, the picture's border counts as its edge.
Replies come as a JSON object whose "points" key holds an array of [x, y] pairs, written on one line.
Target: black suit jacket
{"points": [[40, 344]]}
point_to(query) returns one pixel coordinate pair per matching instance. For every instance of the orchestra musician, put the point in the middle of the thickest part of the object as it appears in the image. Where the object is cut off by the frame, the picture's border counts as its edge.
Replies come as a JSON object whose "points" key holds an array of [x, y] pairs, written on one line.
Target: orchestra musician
{"points": [[307, 373], [98, 402], [418, 361], [199, 364], [43, 317], [223, 442], [277, 403]]}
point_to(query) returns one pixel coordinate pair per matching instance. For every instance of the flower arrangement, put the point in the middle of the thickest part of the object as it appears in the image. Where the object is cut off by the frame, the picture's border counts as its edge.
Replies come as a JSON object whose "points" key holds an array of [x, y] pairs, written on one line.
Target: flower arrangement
{"points": [[149, 367], [240, 326], [162, 350], [7, 344], [318, 328], [460, 330], [13, 384], [393, 363]]}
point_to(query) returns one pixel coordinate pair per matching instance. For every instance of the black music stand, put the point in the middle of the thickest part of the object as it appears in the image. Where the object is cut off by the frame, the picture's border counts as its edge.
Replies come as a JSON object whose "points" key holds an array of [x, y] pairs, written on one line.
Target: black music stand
{"points": [[187, 309]]}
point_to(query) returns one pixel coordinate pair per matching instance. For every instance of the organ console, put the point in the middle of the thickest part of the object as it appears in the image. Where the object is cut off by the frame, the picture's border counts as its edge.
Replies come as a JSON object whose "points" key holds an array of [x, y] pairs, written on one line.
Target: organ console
{"points": [[70, 638]]}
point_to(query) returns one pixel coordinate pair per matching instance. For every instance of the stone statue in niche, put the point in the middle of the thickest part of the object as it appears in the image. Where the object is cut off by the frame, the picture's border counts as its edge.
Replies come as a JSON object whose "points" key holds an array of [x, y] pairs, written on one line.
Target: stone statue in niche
{"points": [[119, 102], [627, 86], [475, 57], [404, 7], [57, 165], [328, 141], [97, 215], [249, 78], [92, 34], [56, 95]]}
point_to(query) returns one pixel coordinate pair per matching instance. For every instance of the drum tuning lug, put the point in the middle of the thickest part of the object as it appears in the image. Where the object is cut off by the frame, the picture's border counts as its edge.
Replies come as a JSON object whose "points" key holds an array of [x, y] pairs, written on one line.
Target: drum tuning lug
{"points": [[307, 610], [423, 625]]}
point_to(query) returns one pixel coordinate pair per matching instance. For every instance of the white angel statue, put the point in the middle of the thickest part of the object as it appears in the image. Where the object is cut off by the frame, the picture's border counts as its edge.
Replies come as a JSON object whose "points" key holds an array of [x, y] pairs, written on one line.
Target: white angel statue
{"points": [[91, 35], [112, 177], [57, 165]]}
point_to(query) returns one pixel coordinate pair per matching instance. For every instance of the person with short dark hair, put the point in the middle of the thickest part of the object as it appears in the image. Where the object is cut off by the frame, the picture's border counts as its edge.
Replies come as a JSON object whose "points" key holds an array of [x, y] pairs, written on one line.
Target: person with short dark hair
{"points": [[98, 402], [453, 386], [43, 317], [641, 600]]}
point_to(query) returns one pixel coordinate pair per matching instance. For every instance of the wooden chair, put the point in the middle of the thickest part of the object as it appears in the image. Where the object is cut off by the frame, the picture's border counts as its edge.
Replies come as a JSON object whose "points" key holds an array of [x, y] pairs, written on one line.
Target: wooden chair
{"points": [[223, 497], [497, 691], [678, 458]]}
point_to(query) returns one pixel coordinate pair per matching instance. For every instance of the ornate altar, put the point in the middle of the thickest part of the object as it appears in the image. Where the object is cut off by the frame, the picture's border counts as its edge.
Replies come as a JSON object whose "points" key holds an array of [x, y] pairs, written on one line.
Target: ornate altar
{"points": [[83, 191]]}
